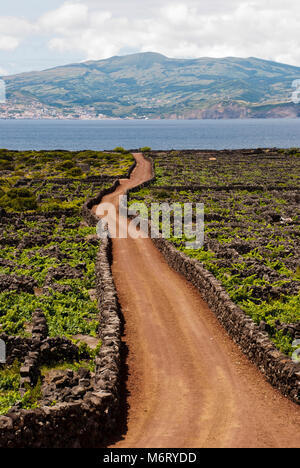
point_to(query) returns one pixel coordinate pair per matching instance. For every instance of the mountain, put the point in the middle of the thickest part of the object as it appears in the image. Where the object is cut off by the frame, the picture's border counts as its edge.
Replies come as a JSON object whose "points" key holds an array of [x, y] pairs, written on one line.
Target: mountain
{"points": [[152, 85]]}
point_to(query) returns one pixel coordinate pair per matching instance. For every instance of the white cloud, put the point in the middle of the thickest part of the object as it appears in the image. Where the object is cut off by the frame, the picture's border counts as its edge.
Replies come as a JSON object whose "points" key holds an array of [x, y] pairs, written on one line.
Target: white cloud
{"points": [[98, 29], [70, 17], [12, 31], [8, 42], [185, 29], [178, 14]]}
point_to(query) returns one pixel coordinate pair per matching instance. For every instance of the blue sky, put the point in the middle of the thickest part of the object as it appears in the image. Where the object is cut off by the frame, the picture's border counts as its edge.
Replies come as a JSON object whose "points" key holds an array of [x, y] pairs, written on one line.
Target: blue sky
{"points": [[33, 53], [31, 9], [35, 35]]}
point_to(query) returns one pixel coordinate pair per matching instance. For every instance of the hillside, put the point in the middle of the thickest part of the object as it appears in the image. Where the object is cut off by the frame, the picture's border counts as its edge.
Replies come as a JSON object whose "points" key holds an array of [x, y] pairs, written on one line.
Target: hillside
{"points": [[152, 85]]}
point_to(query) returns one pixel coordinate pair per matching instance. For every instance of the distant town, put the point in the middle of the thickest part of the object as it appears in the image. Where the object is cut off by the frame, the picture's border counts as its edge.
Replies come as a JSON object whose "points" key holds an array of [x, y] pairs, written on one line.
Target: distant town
{"points": [[12, 110], [37, 110]]}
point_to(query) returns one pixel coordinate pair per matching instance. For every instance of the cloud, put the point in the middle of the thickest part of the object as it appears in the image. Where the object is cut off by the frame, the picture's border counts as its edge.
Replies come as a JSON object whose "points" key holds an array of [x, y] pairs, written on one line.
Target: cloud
{"points": [[97, 29], [67, 19], [8, 42], [184, 29], [12, 31]]}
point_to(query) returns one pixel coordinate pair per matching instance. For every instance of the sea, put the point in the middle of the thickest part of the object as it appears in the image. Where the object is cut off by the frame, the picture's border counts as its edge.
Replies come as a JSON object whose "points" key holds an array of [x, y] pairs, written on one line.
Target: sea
{"points": [[157, 134]]}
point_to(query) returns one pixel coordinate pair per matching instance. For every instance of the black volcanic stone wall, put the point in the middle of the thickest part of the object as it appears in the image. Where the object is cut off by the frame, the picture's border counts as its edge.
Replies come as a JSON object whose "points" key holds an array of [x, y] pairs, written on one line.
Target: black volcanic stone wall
{"points": [[87, 214], [87, 422], [279, 370], [91, 421]]}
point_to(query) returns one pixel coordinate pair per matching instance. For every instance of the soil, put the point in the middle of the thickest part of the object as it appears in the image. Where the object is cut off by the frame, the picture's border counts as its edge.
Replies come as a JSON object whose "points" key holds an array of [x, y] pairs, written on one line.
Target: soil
{"points": [[91, 341], [188, 384]]}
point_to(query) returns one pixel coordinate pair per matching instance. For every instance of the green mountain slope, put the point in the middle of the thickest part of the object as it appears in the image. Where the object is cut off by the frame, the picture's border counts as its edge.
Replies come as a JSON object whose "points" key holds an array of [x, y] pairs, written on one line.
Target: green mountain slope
{"points": [[149, 84]]}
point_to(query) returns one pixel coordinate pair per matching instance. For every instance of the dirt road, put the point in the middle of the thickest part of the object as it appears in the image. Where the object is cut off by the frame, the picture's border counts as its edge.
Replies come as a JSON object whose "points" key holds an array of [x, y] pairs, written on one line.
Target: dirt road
{"points": [[188, 383]]}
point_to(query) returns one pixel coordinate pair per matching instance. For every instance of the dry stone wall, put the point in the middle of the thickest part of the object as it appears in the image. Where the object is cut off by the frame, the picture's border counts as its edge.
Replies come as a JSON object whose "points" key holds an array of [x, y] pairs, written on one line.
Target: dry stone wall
{"points": [[91, 416], [92, 419], [278, 369]]}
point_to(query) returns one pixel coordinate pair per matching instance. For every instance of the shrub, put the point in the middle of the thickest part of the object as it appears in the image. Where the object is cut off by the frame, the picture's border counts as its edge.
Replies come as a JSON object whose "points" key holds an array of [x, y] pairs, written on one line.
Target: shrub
{"points": [[145, 149], [19, 193], [64, 156], [5, 156], [6, 165], [163, 194], [5, 182], [20, 199], [75, 172], [94, 163], [120, 149], [32, 396], [50, 206], [87, 155], [65, 166]]}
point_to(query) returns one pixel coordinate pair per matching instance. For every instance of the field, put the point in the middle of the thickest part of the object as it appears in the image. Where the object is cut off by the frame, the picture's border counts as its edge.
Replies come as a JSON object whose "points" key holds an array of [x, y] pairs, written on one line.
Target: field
{"points": [[252, 224], [47, 268], [49, 314]]}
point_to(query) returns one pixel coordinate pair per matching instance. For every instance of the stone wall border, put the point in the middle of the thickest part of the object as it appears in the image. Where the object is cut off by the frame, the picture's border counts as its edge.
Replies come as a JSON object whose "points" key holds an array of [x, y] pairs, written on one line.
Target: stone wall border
{"points": [[277, 368], [90, 422], [93, 420]]}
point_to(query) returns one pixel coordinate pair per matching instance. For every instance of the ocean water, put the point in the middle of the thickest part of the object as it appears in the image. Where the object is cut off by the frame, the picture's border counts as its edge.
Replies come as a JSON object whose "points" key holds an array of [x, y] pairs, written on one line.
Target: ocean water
{"points": [[158, 134]]}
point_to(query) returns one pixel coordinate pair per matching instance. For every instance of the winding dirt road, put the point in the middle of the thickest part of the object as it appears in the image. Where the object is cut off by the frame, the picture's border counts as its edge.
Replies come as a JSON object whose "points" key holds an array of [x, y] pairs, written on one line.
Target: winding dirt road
{"points": [[188, 384]]}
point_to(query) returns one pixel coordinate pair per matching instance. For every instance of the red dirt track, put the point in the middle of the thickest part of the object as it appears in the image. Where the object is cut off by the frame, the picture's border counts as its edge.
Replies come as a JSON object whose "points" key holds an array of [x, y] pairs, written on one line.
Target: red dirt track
{"points": [[188, 384]]}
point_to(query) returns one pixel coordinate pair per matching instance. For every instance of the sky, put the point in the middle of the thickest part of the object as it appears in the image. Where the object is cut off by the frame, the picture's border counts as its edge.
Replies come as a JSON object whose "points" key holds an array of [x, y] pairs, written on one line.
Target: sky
{"points": [[36, 35]]}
